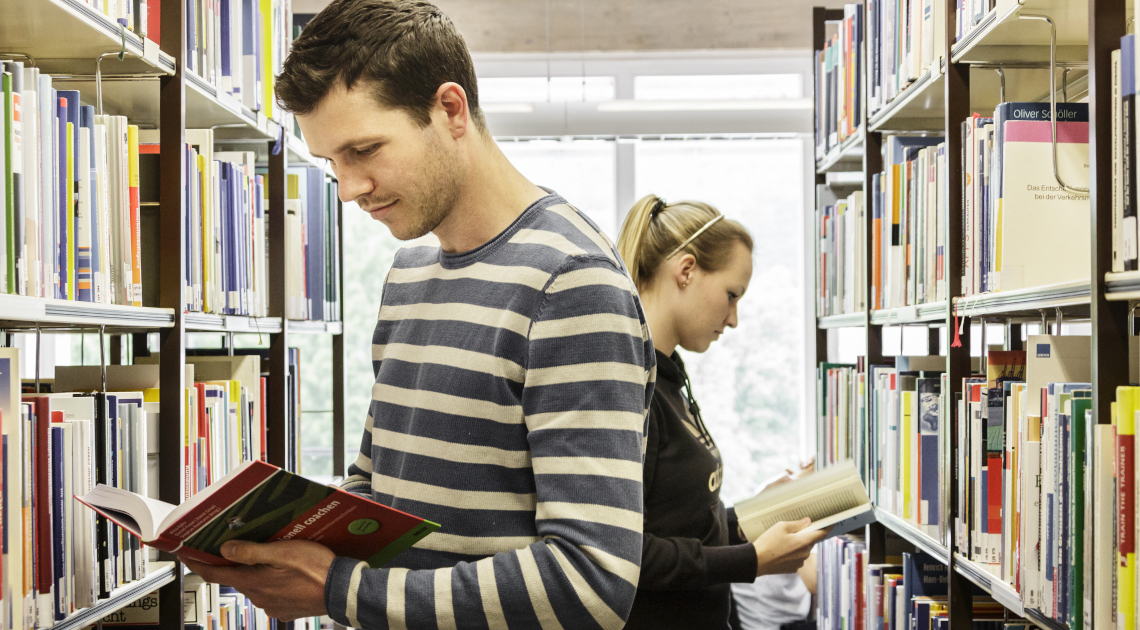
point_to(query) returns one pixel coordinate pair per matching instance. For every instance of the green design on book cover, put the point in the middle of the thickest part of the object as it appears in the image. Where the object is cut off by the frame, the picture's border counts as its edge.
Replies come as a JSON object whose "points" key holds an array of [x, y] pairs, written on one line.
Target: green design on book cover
{"points": [[257, 516]]}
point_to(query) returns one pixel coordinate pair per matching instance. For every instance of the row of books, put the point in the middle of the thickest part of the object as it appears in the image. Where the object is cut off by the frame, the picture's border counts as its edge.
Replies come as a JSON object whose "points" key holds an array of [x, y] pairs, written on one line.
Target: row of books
{"points": [[226, 257], [312, 237], [1020, 228], [969, 13], [59, 556], [239, 46], [907, 592], [138, 16], [839, 75], [206, 606], [903, 38], [840, 281], [70, 195], [909, 223]]}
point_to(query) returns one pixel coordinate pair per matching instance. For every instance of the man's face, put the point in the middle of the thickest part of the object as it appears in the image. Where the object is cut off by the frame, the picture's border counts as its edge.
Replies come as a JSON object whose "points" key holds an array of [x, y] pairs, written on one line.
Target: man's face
{"points": [[403, 175]]}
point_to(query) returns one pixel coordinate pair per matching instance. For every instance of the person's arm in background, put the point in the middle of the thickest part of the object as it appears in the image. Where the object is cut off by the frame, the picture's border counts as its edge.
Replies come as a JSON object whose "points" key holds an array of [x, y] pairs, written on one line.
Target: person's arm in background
{"points": [[808, 573]]}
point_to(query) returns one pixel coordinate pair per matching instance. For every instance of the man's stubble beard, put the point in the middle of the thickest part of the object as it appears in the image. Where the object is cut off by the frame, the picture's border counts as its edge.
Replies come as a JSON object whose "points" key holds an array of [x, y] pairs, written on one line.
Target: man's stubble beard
{"points": [[438, 196]]}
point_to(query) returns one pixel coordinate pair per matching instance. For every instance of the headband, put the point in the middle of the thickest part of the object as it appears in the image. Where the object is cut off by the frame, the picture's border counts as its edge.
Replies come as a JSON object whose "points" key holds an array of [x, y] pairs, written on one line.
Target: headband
{"points": [[694, 236]]}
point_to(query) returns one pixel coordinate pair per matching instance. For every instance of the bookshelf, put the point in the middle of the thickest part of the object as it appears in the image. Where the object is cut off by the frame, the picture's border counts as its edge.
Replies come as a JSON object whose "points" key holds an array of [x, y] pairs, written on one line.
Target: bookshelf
{"points": [[962, 79], [152, 87]]}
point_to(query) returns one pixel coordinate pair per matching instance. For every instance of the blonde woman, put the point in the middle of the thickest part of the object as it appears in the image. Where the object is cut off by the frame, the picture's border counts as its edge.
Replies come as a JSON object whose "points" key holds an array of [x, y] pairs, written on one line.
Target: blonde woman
{"points": [[692, 266]]}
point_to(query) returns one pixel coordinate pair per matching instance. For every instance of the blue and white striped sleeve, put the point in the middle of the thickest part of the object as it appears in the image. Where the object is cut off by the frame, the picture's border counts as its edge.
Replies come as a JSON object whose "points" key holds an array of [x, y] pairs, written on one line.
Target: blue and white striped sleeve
{"points": [[589, 380]]}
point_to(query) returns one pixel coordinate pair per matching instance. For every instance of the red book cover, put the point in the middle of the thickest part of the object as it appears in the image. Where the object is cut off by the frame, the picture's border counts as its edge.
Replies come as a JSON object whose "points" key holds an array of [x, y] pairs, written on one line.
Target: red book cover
{"points": [[154, 21], [203, 432], [860, 603], [994, 463], [259, 502]]}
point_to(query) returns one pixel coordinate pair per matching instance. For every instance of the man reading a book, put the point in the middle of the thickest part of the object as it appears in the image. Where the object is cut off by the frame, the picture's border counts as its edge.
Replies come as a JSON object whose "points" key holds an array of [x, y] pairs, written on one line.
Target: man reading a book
{"points": [[513, 363]]}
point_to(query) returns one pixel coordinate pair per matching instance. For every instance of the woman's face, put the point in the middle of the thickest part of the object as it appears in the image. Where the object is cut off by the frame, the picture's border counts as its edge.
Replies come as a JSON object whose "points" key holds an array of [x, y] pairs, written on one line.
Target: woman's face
{"points": [[708, 304]]}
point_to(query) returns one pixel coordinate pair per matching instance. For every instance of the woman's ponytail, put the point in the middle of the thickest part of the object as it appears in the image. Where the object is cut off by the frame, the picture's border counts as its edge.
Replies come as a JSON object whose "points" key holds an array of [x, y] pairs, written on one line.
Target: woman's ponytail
{"points": [[632, 236]]}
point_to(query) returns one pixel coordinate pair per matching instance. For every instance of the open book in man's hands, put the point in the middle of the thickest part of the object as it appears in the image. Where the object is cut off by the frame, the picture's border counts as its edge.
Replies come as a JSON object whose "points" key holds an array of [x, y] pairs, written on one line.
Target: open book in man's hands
{"points": [[260, 502], [833, 497]]}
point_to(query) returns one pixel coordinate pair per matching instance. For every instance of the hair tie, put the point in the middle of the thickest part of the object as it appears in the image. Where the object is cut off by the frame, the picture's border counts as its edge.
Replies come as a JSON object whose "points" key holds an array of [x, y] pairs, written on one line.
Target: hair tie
{"points": [[694, 236], [658, 206]]}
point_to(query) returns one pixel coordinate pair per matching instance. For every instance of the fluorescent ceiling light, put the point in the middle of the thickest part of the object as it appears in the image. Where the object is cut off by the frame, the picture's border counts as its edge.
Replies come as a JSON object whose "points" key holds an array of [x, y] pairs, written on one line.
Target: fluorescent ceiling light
{"points": [[507, 108], [705, 106]]}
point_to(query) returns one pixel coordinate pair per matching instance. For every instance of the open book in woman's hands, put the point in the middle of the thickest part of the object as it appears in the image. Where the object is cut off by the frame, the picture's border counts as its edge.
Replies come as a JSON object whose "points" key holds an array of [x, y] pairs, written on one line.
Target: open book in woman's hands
{"points": [[833, 497], [260, 502]]}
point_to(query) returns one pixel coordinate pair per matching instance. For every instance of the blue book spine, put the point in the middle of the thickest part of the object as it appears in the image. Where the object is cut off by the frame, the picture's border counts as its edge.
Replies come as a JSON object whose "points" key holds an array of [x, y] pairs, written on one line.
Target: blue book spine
{"points": [[191, 42], [227, 68], [55, 462]]}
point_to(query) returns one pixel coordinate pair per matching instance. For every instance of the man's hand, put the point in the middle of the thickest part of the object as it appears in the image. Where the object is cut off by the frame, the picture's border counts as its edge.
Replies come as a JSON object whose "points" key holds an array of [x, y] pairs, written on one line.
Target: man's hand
{"points": [[784, 547], [286, 579]]}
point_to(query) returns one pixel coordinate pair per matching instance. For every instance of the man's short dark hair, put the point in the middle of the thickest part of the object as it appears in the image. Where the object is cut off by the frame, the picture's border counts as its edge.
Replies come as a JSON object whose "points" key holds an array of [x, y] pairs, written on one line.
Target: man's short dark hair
{"points": [[403, 50]]}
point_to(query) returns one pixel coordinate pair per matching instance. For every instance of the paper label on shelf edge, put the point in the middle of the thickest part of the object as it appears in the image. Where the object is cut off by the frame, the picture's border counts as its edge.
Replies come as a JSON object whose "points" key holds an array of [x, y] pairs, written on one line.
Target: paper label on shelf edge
{"points": [[150, 51], [19, 307], [908, 313]]}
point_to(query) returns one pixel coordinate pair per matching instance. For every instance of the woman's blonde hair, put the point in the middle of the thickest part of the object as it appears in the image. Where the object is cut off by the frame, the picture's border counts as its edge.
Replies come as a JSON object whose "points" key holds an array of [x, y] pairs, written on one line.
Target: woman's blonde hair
{"points": [[654, 230]]}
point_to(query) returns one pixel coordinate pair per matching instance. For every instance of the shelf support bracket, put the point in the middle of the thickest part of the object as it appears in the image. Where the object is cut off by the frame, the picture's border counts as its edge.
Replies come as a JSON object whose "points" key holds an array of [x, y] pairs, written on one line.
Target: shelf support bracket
{"points": [[1053, 97]]}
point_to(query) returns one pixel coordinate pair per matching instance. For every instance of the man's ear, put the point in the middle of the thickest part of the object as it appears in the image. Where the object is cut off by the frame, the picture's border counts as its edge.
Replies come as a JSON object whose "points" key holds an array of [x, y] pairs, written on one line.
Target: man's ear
{"points": [[451, 98]]}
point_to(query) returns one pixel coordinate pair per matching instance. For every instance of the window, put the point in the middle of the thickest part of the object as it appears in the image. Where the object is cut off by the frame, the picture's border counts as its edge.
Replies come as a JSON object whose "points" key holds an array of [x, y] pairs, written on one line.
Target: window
{"points": [[749, 383], [582, 171], [544, 90], [715, 87]]}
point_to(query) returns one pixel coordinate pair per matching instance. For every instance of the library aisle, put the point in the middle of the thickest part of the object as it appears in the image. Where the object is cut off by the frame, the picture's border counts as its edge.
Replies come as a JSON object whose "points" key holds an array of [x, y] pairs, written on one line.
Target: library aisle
{"points": [[988, 217]]}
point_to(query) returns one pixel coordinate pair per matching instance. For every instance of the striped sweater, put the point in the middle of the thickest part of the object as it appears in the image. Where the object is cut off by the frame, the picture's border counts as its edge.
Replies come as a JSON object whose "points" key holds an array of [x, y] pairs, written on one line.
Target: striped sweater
{"points": [[512, 384]]}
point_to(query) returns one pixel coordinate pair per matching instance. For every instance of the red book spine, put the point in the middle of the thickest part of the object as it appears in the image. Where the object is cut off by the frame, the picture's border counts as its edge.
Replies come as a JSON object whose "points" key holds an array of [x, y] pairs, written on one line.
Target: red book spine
{"points": [[41, 494], [154, 21], [860, 600], [1125, 468], [994, 498]]}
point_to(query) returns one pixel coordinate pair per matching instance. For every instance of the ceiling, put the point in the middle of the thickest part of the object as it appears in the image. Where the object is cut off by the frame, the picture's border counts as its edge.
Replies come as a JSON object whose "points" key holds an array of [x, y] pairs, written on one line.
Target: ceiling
{"points": [[520, 26]]}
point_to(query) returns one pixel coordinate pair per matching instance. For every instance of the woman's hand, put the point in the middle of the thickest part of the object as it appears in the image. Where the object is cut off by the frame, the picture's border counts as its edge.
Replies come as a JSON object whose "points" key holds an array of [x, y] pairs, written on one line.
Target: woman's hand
{"points": [[785, 547]]}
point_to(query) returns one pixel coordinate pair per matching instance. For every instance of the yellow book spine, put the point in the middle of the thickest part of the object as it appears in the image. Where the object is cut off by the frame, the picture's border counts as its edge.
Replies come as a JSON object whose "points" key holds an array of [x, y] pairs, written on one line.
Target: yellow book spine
{"points": [[905, 430], [136, 210], [267, 56]]}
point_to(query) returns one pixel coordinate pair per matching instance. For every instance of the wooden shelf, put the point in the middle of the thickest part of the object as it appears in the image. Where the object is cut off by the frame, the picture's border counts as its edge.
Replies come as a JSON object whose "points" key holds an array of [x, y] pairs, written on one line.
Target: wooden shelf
{"points": [[913, 535], [923, 313], [209, 322], [918, 107], [1002, 36], [848, 151], [161, 574], [23, 312], [847, 320]]}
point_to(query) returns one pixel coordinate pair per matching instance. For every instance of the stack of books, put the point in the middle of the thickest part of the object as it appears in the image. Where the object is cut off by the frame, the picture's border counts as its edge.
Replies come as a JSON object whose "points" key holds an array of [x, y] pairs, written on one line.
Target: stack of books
{"points": [[840, 272], [312, 238], [904, 39], [1019, 227], [60, 557], [909, 223], [839, 72], [238, 46], [908, 591], [70, 194]]}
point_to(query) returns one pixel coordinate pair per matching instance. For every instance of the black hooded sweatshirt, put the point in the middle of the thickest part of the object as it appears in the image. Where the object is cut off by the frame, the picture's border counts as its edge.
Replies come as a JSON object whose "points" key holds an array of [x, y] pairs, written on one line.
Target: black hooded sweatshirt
{"points": [[692, 551]]}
